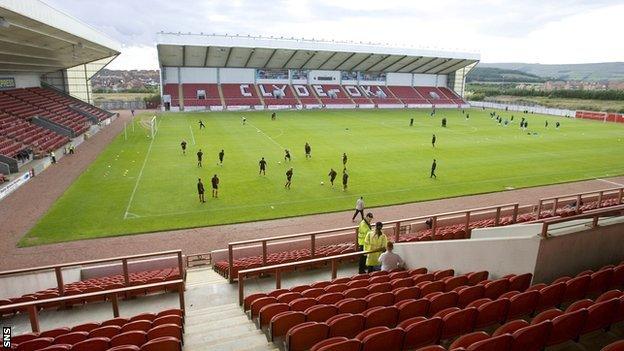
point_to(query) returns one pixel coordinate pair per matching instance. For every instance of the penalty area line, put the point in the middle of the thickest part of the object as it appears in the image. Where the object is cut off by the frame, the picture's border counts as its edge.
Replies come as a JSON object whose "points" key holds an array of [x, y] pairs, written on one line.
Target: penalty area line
{"points": [[192, 135], [136, 184], [266, 135]]}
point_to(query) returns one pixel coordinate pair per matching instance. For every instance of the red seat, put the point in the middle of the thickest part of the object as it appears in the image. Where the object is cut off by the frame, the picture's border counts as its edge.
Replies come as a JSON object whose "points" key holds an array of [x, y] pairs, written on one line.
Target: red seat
{"points": [[576, 288], [493, 312], [379, 299], [165, 330], [348, 325], [452, 283], [162, 344], [406, 323], [402, 283], [522, 304], [119, 321], [423, 333], [356, 293], [143, 325], [330, 298], [616, 346], [551, 296], [107, 332], [600, 315], [86, 327], [125, 348], [143, 317], [476, 277], [59, 347], [412, 308], [288, 297], [320, 313], [510, 327], [258, 303], [520, 282], [53, 333], [470, 294], [567, 326], [72, 338], [381, 316], [305, 335], [337, 343], [35, 344], [337, 288], [611, 294], [617, 279], [406, 293], [267, 312], [438, 275], [496, 288], [92, 344], [432, 348], [281, 323], [279, 292], [135, 337], [458, 323], [497, 343], [170, 319], [314, 292], [379, 287], [430, 287], [389, 340], [442, 301], [532, 338], [599, 282], [468, 339], [301, 304], [351, 305]]}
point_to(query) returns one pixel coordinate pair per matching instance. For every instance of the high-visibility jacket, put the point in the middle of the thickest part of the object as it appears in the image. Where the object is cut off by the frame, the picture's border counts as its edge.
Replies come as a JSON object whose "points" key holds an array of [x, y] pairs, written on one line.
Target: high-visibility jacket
{"points": [[374, 242], [363, 229]]}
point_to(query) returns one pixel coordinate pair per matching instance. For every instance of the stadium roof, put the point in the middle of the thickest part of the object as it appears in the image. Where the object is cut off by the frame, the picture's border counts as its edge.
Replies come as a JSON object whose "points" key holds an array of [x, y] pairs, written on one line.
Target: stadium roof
{"points": [[35, 37], [200, 50]]}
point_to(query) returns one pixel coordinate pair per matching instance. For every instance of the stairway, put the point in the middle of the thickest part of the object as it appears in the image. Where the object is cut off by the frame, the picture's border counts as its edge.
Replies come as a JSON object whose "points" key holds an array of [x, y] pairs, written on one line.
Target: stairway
{"points": [[222, 328], [217, 323]]}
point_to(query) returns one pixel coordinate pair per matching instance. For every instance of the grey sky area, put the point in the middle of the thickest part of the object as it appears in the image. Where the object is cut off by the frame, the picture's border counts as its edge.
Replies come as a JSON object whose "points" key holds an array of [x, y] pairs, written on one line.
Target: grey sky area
{"points": [[559, 31]]}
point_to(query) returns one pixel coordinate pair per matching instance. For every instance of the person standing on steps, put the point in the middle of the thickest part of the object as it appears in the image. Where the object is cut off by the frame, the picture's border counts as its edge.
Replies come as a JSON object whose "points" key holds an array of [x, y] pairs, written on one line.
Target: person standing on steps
{"points": [[377, 241], [200, 190], [359, 208], [200, 154], [363, 229]]}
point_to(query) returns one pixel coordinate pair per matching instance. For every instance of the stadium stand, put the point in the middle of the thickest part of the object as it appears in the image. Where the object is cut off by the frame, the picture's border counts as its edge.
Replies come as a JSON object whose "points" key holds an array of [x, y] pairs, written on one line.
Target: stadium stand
{"points": [[240, 95], [162, 331], [305, 95], [210, 96], [277, 95], [408, 95], [564, 207], [402, 310]]}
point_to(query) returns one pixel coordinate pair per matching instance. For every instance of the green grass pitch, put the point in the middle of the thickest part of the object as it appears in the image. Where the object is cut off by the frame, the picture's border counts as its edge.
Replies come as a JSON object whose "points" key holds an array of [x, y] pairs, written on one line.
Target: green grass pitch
{"points": [[141, 184]]}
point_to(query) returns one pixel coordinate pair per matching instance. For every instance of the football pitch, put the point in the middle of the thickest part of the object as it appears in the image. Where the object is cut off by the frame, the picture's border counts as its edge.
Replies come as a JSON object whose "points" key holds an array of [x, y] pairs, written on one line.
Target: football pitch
{"points": [[141, 184]]}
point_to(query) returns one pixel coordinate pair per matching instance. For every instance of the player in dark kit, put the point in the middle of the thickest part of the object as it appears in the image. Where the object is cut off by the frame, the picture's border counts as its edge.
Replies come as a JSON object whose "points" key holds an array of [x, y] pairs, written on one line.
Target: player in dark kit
{"points": [[433, 168], [200, 154], [289, 174], [286, 155], [221, 154], [332, 176], [444, 122], [308, 150], [273, 116], [201, 124], [546, 124], [200, 190], [262, 164], [433, 140], [183, 145], [557, 125], [215, 186], [411, 122], [345, 179], [344, 160]]}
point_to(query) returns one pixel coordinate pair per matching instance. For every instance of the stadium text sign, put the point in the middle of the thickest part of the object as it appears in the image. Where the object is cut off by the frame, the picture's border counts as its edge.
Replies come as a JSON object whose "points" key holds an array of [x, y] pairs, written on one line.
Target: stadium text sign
{"points": [[7, 83]]}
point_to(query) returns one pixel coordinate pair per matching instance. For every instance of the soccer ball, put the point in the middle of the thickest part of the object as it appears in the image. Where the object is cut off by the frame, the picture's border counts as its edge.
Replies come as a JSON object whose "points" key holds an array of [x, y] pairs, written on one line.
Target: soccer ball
{"points": [[279, 162], [322, 183]]}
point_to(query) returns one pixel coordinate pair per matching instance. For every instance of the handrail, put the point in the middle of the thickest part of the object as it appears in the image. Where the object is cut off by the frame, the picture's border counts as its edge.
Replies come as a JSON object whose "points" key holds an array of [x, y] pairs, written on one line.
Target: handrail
{"points": [[595, 214], [278, 268], [31, 306], [124, 262], [396, 223], [619, 192]]}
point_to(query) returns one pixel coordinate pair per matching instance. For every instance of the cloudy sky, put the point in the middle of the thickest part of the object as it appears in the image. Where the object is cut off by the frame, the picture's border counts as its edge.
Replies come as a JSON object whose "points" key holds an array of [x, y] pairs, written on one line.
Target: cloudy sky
{"points": [[535, 31]]}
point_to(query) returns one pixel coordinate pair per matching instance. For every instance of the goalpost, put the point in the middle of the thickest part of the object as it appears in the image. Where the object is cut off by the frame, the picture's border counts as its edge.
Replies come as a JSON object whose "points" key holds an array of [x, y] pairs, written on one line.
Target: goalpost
{"points": [[153, 127]]}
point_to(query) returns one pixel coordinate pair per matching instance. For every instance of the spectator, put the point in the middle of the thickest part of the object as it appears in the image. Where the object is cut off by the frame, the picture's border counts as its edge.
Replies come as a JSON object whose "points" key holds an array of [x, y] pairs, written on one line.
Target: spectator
{"points": [[375, 241], [389, 260], [363, 229], [359, 208], [53, 156]]}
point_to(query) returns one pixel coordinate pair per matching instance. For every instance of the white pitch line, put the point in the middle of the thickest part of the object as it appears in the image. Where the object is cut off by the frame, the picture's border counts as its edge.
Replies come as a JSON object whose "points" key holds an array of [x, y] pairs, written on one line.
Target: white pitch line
{"points": [[136, 184], [610, 182], [266, 135], [192, 135]]}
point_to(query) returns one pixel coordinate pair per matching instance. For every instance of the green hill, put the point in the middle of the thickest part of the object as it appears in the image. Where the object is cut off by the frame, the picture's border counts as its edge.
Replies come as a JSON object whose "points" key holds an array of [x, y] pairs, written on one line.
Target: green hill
{"points": [[499, 75], [606, 71]]}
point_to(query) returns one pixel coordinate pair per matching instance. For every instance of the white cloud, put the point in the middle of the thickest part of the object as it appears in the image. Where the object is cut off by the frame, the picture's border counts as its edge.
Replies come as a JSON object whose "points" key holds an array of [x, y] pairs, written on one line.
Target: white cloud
{"points": [[554, 31]]}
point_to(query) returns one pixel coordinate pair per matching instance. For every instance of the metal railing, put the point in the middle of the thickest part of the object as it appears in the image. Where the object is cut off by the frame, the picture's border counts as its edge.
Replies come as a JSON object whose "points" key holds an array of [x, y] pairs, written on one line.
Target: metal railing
{"points": [[552, 203], [112, 295], [123, 259], [398, 226], [595, 215]]}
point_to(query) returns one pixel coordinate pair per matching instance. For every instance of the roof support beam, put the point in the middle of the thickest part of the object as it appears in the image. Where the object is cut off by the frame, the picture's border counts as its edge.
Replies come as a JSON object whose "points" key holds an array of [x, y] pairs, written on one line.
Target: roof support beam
{"points": [[312, 54], [183, 55], [289, 59], [383, 68], [270, 57], [455, 67], [227, 59], [443, 66], [345, 60], [359, 63], [407, 64], [251, 52], [424, 64], [328, 59], [375, 63], [207, 55], [444, 62]]}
